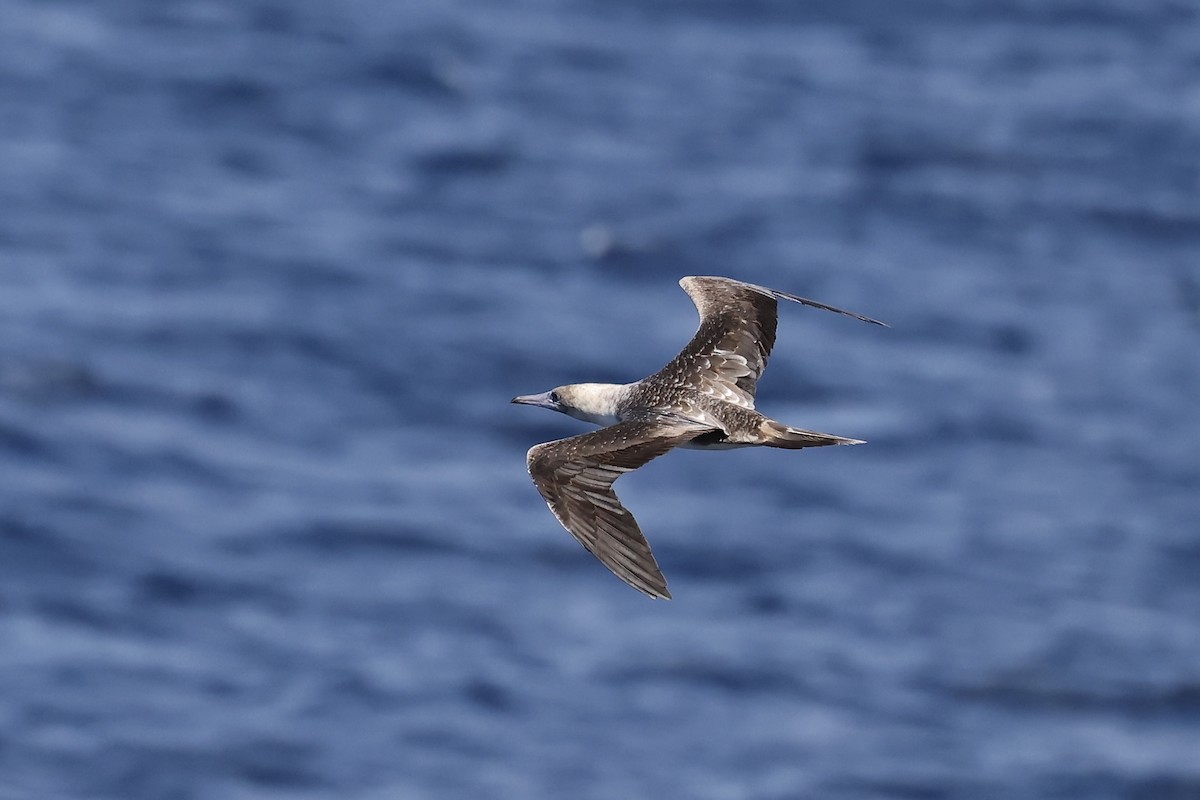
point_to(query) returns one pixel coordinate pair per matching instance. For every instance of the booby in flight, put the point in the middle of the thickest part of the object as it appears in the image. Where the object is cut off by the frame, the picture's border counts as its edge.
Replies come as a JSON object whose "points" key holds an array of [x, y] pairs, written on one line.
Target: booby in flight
{"points": [[703, 399]]}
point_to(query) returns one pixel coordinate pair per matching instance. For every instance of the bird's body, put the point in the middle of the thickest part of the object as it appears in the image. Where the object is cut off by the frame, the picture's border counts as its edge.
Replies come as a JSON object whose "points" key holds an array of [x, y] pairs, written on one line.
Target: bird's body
{"points": [[702, 399]]}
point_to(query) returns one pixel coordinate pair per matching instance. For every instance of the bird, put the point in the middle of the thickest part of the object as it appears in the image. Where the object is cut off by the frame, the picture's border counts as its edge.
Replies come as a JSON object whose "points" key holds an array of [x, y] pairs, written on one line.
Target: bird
{"points": [[703, 399]]}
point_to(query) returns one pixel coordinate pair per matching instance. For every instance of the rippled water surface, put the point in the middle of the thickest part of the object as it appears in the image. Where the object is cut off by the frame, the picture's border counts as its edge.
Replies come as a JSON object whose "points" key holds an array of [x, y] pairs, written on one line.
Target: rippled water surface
{"points": [[271, 271]]}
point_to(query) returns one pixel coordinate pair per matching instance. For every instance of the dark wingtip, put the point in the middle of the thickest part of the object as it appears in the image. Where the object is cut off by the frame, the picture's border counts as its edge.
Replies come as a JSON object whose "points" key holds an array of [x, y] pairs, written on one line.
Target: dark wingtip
{"points": [[795, 298], [860, 317], [653, 592]]}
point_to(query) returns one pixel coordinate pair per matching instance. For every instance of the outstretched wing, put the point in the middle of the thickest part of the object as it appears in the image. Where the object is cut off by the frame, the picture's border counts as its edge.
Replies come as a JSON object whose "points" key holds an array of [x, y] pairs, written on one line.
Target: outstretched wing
{"points": [[729, 352], [576, 475]]}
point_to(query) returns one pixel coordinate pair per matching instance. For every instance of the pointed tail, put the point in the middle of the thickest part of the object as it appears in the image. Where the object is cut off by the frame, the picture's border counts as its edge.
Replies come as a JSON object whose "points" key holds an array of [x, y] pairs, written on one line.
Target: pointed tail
{"points": [[776, 434]]}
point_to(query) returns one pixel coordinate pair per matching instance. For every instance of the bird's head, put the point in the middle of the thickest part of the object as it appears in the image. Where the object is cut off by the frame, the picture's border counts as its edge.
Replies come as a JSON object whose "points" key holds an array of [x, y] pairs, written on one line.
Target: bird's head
{"points": [[591, 402]]}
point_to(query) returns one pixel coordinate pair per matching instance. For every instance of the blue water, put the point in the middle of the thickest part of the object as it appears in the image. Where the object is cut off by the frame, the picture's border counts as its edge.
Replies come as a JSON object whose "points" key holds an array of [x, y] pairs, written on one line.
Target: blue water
{"points": [[270, 272]]}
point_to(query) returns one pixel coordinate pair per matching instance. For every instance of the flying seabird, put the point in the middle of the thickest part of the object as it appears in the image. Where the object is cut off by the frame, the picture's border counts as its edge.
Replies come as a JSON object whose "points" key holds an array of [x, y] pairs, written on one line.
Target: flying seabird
{"points": [[703, 399]]}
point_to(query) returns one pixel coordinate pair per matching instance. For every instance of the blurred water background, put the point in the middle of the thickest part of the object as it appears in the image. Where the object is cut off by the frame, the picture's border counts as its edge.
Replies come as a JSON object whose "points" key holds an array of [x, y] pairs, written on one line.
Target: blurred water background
{"points": [[271, 270]]}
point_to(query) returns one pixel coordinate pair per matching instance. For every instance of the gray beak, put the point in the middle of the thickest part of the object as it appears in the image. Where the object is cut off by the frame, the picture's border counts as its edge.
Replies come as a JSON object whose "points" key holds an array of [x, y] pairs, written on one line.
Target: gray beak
{"points": [[541, 400]]}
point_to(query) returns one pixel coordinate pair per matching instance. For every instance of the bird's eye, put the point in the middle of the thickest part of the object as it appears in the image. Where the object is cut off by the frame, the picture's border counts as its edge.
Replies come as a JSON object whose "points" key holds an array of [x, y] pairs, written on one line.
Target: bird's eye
{"points": [[554, 397]]}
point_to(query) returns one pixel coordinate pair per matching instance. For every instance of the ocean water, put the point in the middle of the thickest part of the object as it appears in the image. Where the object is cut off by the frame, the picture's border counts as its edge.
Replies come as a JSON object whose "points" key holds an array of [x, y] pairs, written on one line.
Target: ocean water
{"points": [[271, 271]]}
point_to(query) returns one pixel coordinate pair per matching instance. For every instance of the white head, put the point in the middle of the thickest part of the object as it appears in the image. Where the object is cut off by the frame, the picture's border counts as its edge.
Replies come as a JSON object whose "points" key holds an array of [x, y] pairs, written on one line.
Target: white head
{"points": [[590, 402]]}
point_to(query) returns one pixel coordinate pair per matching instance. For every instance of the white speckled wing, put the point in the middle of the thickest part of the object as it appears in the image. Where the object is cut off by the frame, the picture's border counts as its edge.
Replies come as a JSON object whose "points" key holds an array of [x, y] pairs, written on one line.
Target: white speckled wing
{"points": [[729, 351]]}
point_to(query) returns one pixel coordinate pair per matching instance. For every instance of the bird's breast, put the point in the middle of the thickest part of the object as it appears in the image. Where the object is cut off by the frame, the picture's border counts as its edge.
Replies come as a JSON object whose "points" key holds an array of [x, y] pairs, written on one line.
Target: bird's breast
{"points": [[603, 420]]}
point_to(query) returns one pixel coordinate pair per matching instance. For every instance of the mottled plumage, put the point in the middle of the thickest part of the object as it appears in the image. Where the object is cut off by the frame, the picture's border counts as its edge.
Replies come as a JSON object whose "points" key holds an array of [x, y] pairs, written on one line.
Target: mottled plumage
{"points": [[704, 398]]}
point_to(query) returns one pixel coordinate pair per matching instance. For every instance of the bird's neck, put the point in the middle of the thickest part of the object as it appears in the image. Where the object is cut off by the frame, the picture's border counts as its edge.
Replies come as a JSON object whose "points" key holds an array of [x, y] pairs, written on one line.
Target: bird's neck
{"points": [[598, 403]]}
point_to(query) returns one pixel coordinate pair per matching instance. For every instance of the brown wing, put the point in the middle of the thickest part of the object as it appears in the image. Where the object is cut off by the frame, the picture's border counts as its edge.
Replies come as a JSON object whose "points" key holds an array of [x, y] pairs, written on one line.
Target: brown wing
{"points": [[729, 352], [575, 476]]}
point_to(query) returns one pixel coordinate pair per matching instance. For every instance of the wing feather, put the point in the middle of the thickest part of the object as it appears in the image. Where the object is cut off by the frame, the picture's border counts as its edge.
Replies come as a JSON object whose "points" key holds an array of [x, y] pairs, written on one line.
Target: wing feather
{"points": [[575, 476], [729, 351]]}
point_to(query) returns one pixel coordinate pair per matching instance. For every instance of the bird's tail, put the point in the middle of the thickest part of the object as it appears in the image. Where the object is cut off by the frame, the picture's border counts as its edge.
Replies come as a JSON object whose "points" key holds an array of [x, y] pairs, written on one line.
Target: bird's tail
{"points": [[776, 434]]}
